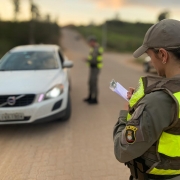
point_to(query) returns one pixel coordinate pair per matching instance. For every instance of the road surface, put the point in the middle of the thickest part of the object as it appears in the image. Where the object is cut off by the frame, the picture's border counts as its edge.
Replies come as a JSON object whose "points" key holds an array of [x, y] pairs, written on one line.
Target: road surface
{"points": [[81, 148]]}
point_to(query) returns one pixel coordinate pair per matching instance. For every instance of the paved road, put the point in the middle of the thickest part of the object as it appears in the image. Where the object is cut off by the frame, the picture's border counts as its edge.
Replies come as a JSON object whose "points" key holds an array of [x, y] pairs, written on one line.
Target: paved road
{"points": [[81, 148]]}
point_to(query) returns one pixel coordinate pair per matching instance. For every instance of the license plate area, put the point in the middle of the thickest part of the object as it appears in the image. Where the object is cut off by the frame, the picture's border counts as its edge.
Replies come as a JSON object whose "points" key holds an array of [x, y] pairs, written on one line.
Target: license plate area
{"points": [[11, 117]]}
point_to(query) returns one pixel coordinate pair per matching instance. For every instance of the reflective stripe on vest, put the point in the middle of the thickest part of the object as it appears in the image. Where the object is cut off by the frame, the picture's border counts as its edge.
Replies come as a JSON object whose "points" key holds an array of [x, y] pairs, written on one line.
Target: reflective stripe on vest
{"points": [[100, 50], [164, 172], [89, 57], [99, 58], [169, 144], [99, 65], [137, 95], [177, 96]]}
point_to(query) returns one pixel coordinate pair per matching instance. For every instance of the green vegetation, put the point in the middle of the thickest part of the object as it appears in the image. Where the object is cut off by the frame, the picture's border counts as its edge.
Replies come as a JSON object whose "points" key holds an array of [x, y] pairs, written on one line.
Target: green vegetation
{"points": [[120, 36], [139, 61], [39, 29], [22, 33]]}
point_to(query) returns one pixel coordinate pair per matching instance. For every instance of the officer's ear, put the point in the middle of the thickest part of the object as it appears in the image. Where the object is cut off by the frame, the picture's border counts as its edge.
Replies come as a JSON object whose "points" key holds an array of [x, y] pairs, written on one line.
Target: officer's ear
{"points": [[163, 55]]}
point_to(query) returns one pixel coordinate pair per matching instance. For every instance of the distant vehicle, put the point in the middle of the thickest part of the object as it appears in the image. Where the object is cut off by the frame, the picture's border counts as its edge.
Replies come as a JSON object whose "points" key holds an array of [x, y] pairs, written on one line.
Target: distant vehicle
{"points": [[147, 64], [35, 85]]}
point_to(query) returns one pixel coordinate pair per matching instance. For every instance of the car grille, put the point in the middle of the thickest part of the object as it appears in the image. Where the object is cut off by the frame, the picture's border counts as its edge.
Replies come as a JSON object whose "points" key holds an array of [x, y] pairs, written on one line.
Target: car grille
{"points": [[16, 100]]}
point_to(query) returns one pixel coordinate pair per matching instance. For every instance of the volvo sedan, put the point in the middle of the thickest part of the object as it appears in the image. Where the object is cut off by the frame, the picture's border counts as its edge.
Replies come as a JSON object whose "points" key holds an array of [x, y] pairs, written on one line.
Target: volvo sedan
{"points": [[34, 85]]}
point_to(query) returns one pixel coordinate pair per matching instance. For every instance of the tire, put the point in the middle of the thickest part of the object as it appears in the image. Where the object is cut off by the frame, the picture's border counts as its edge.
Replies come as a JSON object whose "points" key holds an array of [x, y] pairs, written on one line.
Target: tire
{"points": [[146, 67], [67, 110], [70, 85]]}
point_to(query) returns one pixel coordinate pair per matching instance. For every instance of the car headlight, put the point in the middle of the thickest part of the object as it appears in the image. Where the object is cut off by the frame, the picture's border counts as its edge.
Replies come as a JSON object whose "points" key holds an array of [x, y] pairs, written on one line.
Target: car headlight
{"points": [[54, 92]]}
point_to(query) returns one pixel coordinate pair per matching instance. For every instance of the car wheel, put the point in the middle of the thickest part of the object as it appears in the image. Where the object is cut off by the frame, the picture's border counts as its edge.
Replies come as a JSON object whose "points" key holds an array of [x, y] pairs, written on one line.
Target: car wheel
{"points": [[67, 110], [146, 67]]}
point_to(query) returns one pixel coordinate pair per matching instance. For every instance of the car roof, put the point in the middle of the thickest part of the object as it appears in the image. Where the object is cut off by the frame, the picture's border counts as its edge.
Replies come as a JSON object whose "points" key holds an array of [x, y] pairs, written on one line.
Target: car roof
{"points": [[38, 47]]}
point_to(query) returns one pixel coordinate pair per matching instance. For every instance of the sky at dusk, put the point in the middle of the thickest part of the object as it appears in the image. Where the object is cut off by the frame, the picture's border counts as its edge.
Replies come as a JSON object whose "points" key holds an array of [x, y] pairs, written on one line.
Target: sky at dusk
{"points": [[97, 11]]}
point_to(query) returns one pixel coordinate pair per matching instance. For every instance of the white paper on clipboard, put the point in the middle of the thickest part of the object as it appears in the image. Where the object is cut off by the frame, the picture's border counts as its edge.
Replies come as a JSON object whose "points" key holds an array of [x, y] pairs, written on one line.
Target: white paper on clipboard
{"points": [[119, 89]]}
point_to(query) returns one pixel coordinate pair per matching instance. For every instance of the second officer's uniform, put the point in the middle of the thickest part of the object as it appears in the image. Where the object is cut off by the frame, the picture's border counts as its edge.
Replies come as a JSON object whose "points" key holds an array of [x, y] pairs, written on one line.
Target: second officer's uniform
{"points": [[95, 63]]}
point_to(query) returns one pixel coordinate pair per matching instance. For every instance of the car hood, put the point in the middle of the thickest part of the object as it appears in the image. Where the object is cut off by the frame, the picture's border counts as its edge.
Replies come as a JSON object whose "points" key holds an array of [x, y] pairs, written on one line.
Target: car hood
{"points": [[28, 82]]}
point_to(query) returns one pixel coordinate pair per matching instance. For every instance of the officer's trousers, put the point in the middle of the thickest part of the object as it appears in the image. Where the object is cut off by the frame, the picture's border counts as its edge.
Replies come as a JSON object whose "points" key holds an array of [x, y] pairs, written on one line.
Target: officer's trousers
{"points": [[93, 82]]}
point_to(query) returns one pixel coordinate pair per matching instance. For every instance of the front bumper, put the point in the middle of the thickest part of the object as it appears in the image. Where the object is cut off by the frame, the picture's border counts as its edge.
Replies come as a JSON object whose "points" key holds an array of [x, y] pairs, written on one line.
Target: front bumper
{"points": [[46, 110], [51, 117]]}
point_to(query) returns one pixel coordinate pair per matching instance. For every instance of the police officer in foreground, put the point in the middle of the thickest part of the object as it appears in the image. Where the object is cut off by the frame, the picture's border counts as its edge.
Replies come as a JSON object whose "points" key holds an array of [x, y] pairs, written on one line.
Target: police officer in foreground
{"points": [[147, 136], [95, 63]]}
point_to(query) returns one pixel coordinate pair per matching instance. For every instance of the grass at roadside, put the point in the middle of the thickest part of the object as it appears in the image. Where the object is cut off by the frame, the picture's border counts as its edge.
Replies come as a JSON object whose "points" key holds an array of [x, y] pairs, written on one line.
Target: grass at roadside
{"points": [[116, 35], [114, 41]]}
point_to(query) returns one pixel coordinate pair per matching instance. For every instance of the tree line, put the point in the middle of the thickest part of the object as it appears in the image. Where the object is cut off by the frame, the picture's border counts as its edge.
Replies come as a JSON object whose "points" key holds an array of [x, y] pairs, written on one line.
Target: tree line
{"points": [[37, 30], [118, 35], [34, 11]]}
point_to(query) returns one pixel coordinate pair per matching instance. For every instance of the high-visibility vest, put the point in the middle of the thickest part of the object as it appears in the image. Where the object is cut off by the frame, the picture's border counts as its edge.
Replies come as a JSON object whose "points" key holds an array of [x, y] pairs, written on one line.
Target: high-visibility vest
{"points": [[97, 53], [164, 155]]}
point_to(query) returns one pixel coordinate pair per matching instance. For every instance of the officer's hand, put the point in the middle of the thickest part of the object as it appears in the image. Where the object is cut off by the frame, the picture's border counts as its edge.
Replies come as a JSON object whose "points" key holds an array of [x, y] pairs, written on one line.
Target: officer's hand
{"points": [[130, 92]]}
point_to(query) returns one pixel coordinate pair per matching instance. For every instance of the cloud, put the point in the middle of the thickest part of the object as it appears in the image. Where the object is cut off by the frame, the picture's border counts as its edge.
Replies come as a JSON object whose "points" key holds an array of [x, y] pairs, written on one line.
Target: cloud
{"points": [[117, 4], [160, 3]]}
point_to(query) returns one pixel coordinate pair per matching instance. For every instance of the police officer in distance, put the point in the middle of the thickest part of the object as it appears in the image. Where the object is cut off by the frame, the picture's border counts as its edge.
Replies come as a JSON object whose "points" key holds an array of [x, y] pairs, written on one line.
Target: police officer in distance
{"points": [[147, 136], [95, 64]]}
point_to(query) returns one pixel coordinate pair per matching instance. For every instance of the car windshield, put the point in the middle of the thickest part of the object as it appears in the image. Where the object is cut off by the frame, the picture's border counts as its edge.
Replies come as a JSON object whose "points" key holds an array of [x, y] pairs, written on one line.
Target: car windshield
{"points": [[30, 60]]}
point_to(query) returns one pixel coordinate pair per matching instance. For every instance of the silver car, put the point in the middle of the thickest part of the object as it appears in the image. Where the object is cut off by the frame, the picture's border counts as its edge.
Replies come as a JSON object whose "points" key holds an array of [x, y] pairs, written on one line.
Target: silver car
{"points": [[35, 85]]}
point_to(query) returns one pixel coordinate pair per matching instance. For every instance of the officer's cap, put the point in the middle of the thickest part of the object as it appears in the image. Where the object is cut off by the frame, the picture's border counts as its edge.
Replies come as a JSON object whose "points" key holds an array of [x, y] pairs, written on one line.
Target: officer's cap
{"points": [[92, 38], [165, 34]]}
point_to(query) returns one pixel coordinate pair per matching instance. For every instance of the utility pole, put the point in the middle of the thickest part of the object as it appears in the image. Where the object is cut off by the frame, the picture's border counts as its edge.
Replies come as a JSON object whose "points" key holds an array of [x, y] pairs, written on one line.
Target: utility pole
{"points": [[104, 35]]}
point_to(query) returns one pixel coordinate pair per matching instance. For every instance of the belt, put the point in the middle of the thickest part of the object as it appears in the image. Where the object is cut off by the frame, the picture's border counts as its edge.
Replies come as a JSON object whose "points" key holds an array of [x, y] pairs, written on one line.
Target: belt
{"points": [[138, 169]]}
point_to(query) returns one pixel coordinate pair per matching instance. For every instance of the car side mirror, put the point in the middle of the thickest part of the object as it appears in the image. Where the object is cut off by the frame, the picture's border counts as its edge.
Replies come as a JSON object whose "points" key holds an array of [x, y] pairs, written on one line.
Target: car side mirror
{"points": [[67, 64]]}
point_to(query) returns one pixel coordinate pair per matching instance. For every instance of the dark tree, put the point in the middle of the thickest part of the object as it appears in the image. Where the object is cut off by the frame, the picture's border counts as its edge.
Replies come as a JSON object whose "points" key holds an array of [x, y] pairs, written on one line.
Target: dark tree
{"points": [[16, 4], [35, 13]]}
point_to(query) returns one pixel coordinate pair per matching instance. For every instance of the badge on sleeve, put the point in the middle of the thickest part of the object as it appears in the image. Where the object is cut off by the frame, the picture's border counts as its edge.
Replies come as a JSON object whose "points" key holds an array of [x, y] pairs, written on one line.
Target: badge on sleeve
{"points": [[130, 134]]}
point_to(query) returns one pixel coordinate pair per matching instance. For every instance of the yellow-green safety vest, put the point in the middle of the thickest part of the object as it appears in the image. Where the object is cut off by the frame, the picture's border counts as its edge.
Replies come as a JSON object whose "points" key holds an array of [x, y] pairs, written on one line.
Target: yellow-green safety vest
{"points": [[168, 145], [98, 54]]}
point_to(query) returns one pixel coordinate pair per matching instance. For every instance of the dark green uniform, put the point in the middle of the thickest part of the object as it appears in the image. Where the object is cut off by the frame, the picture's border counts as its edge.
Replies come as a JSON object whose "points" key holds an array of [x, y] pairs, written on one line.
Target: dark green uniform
{"points": [[133, 138], [95, 64]]}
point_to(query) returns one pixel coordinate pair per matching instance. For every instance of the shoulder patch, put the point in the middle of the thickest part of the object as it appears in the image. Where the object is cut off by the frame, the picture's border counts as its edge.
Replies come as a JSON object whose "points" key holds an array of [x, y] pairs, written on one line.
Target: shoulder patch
{"points": [[130, 134]]}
